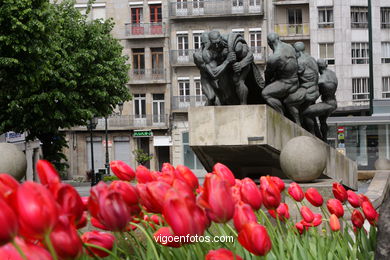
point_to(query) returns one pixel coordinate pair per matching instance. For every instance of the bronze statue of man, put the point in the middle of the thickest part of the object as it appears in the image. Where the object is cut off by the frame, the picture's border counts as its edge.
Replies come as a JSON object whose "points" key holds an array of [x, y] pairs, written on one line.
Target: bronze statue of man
{"points": [[281, 78], [327, 86]]}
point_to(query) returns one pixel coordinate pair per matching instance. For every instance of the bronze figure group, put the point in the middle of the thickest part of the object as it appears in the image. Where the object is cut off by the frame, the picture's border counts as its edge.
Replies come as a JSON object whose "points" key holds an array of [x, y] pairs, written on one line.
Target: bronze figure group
{"points": [[293, 79]]}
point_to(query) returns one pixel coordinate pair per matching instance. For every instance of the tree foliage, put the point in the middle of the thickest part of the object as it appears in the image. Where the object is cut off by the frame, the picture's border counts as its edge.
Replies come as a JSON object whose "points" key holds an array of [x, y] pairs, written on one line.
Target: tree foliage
{"points": [[57, 70]]}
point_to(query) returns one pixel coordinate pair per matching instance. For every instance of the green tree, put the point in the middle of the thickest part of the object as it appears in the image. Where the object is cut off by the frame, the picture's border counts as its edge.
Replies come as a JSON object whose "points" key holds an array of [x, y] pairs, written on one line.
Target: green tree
{"points": [[57, 70]]}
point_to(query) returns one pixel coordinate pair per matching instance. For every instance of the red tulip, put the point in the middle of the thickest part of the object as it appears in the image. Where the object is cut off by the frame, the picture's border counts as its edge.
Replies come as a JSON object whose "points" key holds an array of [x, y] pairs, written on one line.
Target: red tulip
{"points": [[217, 199], [281, 212], [85, 201], [71, 204], [236, 193], [278, 183], [129, 194], [369, 211], [183, 188], [339, 192], [96, 192], [335, 207], [222, 254], [254, 238], [65, 239], [152, 195], [300, 227], [243, 214], [9, 222], [296, 192], [165, 237], [307, 214], [188, 176], [224, 172], [363, 198], [36, 209], [250, 193], [314, 197], [334, 223], [96, 223], [97, 238], [357, 219], [317, 220], [270, 192], [8, 187], [168, 173], [32, 251], [143, 175], [353, 199], [83, 221], [183, 215], [48, 175], [123, 171]]}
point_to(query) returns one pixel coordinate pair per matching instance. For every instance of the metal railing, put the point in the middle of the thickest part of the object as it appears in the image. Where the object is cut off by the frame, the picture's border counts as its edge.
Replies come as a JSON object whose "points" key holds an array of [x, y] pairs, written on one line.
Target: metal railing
{"points": [[145, 29], [184, 102], [182, 57], [214, 7], [147, 74], [293, 29], [155, 120]]}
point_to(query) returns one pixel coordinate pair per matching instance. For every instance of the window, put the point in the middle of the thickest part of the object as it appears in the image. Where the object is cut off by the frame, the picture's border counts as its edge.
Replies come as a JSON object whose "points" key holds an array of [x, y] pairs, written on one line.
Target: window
{"points": [[240, 31], [385, 17], [198, 92], [184, 90], [359, 53], [181, 7], [385, 52], [325, 17], [98, 11], [136, 15], [359, 17], [157, 60], [155, 13], [198, 7], [138, 61], [197, 40], [189, 158], [158, 108], [386, 87], [182, 46], [254, 6], [139, 106], [255, 41], [294, 21], [360, 89], [327, 52]]}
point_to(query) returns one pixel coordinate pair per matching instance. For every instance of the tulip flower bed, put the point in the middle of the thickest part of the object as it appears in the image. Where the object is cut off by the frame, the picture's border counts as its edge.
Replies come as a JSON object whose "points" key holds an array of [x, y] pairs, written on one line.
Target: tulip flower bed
{"points": [[159, 215]]}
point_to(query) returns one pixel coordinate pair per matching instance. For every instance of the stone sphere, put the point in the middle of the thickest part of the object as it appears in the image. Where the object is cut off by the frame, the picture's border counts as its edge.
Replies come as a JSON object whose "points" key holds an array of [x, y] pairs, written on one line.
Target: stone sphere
{"points": [[303, 159], [382, 164], [12, 161]]}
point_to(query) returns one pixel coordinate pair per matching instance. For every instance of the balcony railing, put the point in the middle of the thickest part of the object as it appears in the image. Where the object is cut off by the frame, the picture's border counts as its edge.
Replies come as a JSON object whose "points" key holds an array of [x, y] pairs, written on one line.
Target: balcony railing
{"points": [[214, 8], [182, 57], [142, 30], [258, 53], [135, 121], [293, 29], [147, 75], [184, 102]]}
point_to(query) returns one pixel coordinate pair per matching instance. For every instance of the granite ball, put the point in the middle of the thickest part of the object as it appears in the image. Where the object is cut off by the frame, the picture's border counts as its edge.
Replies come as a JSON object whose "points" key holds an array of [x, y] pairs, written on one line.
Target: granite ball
{"points": [[382, 164], [303, 159], [12, 161]]}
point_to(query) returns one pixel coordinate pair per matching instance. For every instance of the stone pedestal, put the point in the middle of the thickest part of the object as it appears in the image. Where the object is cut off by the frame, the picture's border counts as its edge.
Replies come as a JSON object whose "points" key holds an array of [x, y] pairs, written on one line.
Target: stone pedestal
{"points": [[248, 139]]}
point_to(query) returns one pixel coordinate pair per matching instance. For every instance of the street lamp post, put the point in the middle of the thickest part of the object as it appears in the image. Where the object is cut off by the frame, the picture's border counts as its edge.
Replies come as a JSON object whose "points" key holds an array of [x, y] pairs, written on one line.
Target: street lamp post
{"points": [[107, 155], [92, 125]]}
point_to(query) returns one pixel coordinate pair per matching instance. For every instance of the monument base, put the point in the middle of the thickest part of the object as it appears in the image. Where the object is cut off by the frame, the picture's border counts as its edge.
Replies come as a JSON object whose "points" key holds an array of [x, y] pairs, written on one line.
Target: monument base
{"points": [[249, 139]]}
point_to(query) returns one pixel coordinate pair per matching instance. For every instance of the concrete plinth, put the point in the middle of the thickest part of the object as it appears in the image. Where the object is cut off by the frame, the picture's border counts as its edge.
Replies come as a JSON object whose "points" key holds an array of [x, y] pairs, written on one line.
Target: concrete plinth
{"points": [[248, 139]]}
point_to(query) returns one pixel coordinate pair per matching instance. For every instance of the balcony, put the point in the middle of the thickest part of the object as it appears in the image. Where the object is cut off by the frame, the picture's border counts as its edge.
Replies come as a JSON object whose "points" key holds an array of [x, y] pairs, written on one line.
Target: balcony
{"points": [[148, 76], [214, 8], [259, 53], [138, 121], [145, 30], [291, 2], [182, 57], [184, 102], [294, 31]]}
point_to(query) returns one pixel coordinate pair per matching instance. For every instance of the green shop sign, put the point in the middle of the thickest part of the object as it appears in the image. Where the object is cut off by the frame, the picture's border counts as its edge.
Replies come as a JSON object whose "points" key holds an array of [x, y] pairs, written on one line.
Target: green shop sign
{"points": [[142, 133]]}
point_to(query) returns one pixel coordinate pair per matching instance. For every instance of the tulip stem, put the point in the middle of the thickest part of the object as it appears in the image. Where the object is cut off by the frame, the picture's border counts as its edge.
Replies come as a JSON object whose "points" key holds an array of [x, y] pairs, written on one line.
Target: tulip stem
{"points": [[231, 229], [103, 249], [20, 251], [148, 238], [50, 246]]}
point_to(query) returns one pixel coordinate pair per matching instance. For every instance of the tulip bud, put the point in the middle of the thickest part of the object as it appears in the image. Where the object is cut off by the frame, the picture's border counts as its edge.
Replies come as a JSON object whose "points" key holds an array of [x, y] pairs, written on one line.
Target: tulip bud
{"points": [[300, 227], [32, 251], [8, 187], [314, 197], [335, 207], [281, 212], [369, 211], [222, 254], [307, 214], [224, 172], [254, 238], [152, 195], [165, 237], [9, 222], [129, 194], [143, 175], [123, 171], [47, 174], [357, 219], [339, 192], [334, 223], [101, 239], [353, 199], [71, 204], [296, 192], [279, 183], [243, 214], [250, 193], [270, 192], [188, 176]]}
